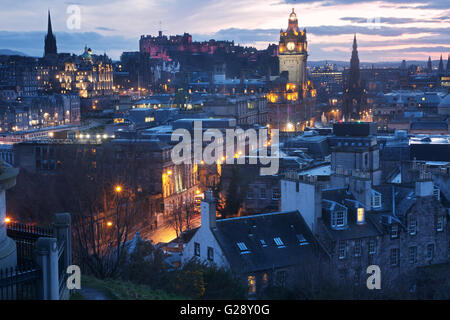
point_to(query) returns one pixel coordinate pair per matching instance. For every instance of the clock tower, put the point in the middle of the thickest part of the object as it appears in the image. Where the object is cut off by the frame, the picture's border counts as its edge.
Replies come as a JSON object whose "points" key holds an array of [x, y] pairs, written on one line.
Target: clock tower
{"points": [[293, 52]]}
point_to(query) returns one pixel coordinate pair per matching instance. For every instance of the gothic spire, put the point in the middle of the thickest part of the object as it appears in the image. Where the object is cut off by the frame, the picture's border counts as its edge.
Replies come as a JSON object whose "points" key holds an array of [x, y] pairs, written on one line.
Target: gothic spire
{"points": [[49, 27], [50, 40], [448, 64], [429, 65], [441, 66]]}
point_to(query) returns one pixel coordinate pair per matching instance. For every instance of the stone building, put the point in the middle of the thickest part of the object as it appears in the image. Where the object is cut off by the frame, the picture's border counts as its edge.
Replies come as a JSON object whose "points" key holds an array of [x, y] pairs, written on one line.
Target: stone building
{"points": [[260, 250]]}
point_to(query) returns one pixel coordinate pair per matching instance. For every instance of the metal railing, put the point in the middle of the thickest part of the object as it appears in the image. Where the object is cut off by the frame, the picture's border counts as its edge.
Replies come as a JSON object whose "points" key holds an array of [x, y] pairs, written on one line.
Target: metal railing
{"points": [[20, 283], [26, 281]]}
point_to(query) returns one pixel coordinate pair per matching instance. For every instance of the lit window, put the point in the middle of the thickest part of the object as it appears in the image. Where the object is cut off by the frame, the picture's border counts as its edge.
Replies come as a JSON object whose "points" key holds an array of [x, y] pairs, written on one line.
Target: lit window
{"points": [[279, 242], [251, 284], [265, 279], [360, 217], [263, 243]]}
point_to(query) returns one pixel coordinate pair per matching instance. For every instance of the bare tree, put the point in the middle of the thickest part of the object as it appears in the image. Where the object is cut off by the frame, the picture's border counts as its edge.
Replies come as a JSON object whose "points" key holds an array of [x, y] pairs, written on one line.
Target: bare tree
{"points": [[181, 216], [106, 209]]}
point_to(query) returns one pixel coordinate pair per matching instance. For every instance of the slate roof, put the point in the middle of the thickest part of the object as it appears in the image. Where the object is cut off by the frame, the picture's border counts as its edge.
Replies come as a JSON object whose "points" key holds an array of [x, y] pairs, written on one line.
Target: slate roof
{"points": [[429, 125], [251, 230], [342, 197], [404, 198]]}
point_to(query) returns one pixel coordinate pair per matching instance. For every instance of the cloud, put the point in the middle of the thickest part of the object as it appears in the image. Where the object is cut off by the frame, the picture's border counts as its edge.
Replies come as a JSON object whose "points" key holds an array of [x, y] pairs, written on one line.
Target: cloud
{"points": [[105, 29], [422, 4], [389, 20], [32, 43]]}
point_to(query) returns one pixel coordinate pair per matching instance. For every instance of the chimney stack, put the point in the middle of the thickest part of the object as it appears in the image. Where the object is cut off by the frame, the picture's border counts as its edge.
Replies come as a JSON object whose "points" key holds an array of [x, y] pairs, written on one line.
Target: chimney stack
{"points": [[208, 210]]}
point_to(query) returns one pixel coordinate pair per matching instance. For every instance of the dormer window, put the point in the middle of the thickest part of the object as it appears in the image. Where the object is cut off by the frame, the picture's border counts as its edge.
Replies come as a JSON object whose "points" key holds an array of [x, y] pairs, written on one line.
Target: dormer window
{"points": [[376, 199], [394, 231], [263, 243], [437, 192], [412, 227], [339, 219], [440, 224], [360, 218]]}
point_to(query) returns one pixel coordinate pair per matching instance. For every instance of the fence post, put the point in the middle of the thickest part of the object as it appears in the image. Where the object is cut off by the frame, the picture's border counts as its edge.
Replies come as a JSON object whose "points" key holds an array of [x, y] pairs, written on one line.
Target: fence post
{"points": [[63, 232], [47, 259]]}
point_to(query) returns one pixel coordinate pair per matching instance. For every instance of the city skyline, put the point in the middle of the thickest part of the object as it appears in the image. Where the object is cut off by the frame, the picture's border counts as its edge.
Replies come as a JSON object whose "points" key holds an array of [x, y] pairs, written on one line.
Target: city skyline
{"points": [[394, 29]]}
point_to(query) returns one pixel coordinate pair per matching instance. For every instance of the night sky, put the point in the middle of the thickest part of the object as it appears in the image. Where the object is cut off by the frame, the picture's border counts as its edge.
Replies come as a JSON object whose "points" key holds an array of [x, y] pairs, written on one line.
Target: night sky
{"points": [[386, 30]]}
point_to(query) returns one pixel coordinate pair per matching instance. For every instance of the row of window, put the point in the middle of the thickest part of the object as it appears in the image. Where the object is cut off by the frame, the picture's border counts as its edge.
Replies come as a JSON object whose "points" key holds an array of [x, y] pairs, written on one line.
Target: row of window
{"points": [[210, 251], [243, 249], [280, 280], [412, 254], [412, 226], [263, 194], [357, 249]]}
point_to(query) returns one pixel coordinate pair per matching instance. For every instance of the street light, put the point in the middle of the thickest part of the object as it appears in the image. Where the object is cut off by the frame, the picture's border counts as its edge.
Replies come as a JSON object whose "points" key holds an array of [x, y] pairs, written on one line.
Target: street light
{"points": [[7, 220], [118, 189], [109, 224]]}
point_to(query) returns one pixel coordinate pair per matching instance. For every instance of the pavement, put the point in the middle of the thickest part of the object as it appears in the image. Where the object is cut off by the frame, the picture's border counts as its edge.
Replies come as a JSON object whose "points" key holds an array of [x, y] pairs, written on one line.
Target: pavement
{"points": [[92, 294], [166, 233]]}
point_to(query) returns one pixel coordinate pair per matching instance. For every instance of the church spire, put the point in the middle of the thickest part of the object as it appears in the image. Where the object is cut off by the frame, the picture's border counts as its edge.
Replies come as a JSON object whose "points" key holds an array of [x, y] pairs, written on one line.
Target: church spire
{"points": [[448, 64], [441, 66], [354, 98], [354, 61], [50, 40], [429, 65], [49, 27]]}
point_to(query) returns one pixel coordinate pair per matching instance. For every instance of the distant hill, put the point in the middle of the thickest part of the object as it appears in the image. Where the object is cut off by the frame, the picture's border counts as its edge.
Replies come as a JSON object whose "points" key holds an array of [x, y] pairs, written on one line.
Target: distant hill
{"points": [[369, 64], [8, 52]]}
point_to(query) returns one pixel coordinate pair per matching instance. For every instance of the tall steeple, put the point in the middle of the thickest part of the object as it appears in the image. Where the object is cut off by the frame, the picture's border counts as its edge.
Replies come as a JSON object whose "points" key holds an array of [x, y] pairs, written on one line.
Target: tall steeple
{"points": [[50, 40], [354, 64], [429, 65], [441, 66], [448, 65], [354, 97]]}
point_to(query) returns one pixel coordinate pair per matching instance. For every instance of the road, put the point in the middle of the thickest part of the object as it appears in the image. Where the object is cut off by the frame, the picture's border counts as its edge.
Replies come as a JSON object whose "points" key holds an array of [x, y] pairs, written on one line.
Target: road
{"points": [[166, 233]]}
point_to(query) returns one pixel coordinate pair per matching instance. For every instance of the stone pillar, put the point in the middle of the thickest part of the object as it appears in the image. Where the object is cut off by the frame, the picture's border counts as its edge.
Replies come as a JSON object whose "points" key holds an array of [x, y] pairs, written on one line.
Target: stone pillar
{"points": [[47, 259], [62, 227], [8, 250]]}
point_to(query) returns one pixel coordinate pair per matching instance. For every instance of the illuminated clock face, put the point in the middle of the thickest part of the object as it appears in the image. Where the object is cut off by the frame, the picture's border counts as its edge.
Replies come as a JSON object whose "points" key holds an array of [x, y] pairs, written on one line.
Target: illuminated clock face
{"points": [[290, 46]]}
